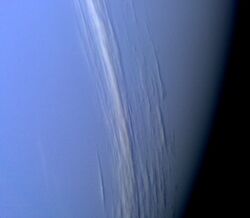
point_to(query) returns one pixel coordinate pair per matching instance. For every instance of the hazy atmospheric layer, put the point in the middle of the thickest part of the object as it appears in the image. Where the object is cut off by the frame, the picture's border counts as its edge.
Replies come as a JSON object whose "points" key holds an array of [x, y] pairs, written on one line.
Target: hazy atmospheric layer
{"points": [[133, 97]]}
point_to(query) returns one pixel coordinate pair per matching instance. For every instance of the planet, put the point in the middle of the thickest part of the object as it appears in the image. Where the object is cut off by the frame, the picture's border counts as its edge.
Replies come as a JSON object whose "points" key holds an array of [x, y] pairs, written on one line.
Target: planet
{"points": [[105, 105]]}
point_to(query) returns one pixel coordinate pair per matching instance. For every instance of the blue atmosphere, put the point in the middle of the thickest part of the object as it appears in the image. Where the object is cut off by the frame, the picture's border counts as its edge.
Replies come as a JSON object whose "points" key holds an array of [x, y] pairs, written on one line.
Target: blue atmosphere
{"points": [[105, 104]]}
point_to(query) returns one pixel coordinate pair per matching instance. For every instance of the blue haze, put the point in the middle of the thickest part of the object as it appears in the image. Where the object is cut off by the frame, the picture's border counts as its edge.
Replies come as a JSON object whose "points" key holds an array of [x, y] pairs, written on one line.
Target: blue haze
{"points": [[60, 153]]}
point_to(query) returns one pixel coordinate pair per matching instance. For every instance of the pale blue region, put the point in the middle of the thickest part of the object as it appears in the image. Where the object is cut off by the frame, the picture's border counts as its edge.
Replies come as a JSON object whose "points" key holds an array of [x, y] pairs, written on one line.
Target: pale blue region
{"points": [[48, 133], [51, 122]]}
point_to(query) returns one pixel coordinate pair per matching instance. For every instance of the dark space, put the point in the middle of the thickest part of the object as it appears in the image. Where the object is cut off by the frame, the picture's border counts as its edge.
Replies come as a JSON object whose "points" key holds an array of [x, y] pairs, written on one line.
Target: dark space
{"points": [[219, 188]]}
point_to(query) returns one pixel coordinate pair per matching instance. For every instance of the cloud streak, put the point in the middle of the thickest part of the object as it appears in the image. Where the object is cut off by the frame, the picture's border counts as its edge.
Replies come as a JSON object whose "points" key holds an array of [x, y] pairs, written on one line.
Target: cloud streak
{"points": [[139, 146]]}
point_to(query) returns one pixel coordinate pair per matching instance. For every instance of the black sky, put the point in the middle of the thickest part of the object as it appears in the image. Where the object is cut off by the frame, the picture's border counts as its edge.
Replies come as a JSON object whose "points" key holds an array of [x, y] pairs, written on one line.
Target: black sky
{"points": [[219, 189]]}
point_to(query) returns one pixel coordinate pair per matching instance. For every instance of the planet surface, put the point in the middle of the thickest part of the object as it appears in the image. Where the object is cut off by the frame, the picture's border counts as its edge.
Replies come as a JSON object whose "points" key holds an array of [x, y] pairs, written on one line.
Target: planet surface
{"points": [[105, 104]]}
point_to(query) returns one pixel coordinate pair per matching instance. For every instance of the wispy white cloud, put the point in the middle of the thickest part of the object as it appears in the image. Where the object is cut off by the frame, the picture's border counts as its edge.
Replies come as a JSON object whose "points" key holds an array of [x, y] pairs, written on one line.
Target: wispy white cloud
{"points": [[141, 176]]}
